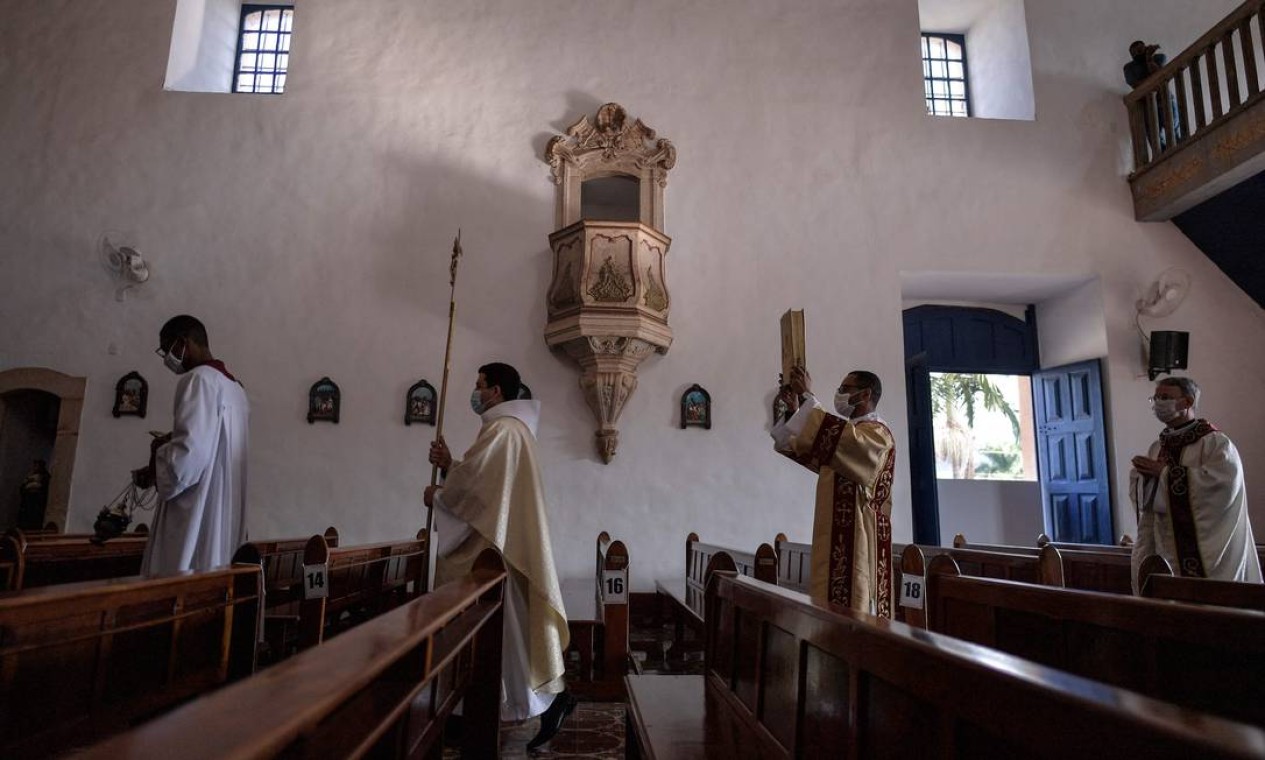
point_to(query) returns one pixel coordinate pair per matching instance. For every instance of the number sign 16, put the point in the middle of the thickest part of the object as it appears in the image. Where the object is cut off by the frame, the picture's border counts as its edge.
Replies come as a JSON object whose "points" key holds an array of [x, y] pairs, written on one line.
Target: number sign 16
{"points": [[615, 587]]}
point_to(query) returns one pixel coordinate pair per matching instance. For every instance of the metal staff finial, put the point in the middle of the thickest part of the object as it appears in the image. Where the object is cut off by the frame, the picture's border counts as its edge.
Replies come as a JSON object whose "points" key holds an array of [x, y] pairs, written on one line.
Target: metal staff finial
{"points": [[456, 254]]}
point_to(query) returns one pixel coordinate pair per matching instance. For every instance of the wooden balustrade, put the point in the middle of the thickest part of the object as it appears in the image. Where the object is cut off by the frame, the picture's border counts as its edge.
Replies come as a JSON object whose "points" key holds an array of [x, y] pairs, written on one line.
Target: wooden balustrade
{"points": [[1201, 91]]}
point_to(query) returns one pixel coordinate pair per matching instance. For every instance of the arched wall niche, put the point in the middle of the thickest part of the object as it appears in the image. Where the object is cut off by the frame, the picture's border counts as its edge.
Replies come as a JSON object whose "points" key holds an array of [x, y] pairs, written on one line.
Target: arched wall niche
{"points": [[70, 392]]}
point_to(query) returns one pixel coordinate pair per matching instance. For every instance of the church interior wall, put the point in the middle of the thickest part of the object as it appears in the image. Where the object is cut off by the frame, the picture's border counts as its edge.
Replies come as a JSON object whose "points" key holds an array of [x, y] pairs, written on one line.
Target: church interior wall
{"points": [[990, 511], [310, 231]]}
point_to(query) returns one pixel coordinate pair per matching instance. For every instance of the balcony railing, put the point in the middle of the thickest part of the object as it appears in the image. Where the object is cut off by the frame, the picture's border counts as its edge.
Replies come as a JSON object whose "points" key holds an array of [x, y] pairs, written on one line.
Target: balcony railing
{"points": [[1207, 85]]}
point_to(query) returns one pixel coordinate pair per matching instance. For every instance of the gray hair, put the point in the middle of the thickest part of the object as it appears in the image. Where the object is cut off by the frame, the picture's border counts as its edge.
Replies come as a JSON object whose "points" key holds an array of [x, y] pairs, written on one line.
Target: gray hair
{"points": [[1188, 387]]}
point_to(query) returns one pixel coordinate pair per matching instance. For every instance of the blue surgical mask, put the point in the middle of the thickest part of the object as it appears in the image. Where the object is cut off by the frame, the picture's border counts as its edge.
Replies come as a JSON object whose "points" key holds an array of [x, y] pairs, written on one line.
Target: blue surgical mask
{"points": [[476, 401]]}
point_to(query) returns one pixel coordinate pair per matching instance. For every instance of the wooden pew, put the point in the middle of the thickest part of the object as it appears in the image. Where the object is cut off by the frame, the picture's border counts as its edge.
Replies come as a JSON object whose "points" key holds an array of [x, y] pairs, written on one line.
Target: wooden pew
{"points": [[282, 563], [382, 690], [1158, 582], [685, 595], [1204, 658], [794, 568], [597, 617], [28, 564], [359, 582], [1125, 546], [81, 661], [911, 594], [786, 678], [46, 535], [1108, 572]]}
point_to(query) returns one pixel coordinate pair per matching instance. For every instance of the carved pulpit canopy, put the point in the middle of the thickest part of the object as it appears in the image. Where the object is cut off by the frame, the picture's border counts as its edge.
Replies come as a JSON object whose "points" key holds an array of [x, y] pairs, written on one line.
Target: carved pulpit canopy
{"points": [[608, 301]]}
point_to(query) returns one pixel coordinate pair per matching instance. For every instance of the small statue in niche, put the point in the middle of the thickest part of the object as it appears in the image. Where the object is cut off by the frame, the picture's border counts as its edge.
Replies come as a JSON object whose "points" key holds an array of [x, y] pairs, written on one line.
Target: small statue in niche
{"points": [[33, 496]]}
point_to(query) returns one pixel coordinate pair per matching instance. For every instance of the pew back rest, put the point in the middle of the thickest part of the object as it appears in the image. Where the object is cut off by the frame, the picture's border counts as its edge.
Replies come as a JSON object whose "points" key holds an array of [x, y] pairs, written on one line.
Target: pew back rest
{"points": [[67, 560], [1106, 571], [1204, 658], [760, 564], [364, 580], [384, 689], [794, 563], [1244, 596], [822, 683], [80, 660]]}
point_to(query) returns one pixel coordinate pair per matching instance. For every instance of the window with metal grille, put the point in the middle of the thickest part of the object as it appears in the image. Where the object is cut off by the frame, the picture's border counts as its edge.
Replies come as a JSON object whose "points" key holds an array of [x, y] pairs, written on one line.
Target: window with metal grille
{"points": [[263, 48], [944, 74]]}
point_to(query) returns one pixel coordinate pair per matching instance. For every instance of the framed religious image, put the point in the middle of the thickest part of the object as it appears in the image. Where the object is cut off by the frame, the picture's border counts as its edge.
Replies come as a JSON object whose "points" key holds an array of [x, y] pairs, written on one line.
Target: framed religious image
{"points": [[323, 401], [131, 395], [696, 408], [419, 404], [524, 393]]}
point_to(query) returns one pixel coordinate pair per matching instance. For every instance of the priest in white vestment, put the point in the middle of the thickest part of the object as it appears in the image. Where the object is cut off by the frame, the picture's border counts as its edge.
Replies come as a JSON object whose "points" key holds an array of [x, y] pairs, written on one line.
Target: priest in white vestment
{"points": [[494, 497], [853, 454], [1190, 496], [199, 469]]}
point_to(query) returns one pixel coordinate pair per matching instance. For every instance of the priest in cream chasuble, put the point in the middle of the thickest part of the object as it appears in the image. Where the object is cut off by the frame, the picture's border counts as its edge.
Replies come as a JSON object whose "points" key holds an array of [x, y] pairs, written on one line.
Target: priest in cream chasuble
{"points": [[1190, 495], [854, 456], [494, 497]]}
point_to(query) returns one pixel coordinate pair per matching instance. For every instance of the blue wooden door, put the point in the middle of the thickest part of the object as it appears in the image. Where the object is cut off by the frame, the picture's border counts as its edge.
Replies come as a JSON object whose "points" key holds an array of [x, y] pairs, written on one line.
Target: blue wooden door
{"points": [[1072, 449], [922, 452]]}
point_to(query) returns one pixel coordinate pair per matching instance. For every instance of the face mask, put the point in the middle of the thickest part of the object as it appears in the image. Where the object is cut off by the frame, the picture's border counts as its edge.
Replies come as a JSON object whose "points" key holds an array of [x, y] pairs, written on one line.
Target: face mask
{"points": [[476, 401], [842, 405], [1165, 409], [174, 363]]}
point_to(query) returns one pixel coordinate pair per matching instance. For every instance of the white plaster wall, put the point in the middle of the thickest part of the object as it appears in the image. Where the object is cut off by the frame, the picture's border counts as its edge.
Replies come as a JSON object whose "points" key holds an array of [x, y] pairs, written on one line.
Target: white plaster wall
{"points": [[1071, 326], [203, 45], [990, 511], [311, 232], [1000, 66]]}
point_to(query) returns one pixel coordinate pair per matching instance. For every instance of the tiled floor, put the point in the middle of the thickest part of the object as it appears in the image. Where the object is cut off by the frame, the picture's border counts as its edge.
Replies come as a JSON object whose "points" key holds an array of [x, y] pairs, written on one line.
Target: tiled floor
{"points": [[596, 729]]}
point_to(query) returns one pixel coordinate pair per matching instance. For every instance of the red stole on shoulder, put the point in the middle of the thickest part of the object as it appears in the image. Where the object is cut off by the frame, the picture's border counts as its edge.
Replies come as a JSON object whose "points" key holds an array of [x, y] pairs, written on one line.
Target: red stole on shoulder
{"points": [[218, 366]]}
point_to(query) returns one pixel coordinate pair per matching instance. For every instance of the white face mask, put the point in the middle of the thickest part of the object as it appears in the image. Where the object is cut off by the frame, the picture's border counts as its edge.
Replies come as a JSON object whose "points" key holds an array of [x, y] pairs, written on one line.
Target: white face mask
{"points": [[1165, 409], [174, 363], [843, 405]]}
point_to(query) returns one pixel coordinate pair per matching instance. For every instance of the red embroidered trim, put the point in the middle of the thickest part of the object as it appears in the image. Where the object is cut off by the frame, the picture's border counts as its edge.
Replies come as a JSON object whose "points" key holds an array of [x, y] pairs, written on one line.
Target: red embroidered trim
{"points": [[1185, 535]]}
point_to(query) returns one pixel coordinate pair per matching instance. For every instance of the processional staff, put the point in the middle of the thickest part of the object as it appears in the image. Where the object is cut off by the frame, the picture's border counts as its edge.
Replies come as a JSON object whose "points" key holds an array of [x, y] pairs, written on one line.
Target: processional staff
{"points": [[443, 385]]}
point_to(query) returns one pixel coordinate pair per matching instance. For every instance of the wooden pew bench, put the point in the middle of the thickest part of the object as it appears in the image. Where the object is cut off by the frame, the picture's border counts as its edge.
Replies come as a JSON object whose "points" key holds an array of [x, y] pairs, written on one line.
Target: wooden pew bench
{"points": [[794, 568], [282, 562], [911, 592], [1205, 658], [360, 582], [786, 678], [1158, 582], [597, 618], [960, 542], [81, 661], [382, 690], [684, 596], [1086, 570], [47, 562]]}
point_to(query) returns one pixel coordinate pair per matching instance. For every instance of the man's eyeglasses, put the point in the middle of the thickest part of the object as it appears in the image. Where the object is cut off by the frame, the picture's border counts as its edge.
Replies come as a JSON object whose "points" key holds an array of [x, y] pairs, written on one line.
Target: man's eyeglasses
{"points": [[1152, 399]]}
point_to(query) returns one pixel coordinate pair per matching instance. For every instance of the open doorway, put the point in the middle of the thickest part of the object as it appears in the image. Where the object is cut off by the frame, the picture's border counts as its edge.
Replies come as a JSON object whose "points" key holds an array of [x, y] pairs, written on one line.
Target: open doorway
{"points": [[1001, 449], [987, 484]]}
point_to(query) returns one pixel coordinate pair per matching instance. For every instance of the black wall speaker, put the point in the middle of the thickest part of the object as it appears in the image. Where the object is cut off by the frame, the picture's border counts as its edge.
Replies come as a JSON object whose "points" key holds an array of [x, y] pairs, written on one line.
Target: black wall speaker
{"points": [[1168, 351]]}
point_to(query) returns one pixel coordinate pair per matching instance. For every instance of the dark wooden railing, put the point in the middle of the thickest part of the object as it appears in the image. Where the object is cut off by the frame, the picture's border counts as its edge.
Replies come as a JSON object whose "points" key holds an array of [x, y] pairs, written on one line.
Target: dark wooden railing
{"points": [[1209, 83]]}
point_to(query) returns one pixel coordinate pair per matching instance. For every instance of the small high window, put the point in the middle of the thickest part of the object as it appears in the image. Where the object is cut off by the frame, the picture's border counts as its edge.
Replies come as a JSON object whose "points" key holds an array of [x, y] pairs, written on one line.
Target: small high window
{"points": [[944, 74], [263, 48]]}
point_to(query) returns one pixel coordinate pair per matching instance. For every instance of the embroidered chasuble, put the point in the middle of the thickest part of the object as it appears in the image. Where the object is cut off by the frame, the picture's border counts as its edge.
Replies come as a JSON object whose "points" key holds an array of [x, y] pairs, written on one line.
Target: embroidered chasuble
{"points": [[494, 497], [852, 531], [1195, 514]]}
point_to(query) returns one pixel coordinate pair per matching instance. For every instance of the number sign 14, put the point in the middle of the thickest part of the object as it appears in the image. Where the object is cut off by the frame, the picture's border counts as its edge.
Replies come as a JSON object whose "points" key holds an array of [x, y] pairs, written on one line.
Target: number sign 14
{"points": [[315, 581]]}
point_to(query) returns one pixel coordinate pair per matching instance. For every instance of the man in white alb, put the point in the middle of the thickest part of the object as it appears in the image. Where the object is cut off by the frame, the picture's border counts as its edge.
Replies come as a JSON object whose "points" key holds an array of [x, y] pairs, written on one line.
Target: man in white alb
{"points": [[199, 468], [1189, 494], [494, 497]]}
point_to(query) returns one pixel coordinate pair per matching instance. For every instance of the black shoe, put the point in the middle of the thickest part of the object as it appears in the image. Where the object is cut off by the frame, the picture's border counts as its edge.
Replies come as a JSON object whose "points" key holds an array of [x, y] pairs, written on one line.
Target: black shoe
{"points": [[551, 719]]}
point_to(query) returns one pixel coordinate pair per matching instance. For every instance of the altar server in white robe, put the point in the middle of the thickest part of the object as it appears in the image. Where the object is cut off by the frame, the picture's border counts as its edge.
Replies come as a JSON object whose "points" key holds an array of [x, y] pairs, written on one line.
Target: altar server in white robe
{"points": [[1190, 496], [494, 497], [199, 469]]}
